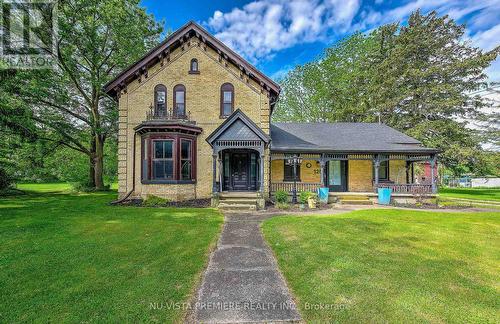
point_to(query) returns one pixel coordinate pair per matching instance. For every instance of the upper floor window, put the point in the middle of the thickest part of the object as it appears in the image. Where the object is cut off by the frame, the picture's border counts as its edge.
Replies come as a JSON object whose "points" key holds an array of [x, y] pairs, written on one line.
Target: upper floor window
{"points": [[160, 100], [180, 100], [226, 99], [193, 67]]}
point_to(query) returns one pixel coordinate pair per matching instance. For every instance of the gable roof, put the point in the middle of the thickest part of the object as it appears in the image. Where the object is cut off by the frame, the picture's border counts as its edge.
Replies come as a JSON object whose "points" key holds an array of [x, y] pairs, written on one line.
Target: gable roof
{"points": [[238, 127], [174, 41], [343, 137]]}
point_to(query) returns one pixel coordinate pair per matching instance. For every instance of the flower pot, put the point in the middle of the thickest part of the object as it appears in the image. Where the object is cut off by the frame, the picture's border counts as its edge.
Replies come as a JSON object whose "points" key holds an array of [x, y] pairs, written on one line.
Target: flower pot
{"points": [[311, 203]]}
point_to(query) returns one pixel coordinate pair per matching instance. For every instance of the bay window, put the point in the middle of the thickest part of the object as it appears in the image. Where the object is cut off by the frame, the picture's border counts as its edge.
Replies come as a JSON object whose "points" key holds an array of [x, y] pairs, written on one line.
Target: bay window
{"points": [[186, 162], [163, 162], [168, 158]]}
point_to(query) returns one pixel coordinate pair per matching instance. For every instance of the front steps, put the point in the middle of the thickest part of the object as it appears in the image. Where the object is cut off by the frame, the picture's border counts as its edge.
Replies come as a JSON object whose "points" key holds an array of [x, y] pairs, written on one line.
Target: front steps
{"points": [[238, 201], [354, 200]]}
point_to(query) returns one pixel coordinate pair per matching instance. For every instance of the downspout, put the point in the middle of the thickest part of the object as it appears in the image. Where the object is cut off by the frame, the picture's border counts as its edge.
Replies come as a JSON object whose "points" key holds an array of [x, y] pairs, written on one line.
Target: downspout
{"points": [[119, 201]]}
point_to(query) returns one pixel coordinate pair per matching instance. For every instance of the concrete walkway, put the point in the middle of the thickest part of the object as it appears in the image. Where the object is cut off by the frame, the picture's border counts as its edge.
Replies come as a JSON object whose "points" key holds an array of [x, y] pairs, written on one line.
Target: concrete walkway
{"points": [[242, 282]]}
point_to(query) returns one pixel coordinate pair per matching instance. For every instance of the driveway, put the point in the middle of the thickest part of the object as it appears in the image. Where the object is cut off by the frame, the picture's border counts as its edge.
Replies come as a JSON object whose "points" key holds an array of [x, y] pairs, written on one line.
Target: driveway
{"points": [[242, 282]]}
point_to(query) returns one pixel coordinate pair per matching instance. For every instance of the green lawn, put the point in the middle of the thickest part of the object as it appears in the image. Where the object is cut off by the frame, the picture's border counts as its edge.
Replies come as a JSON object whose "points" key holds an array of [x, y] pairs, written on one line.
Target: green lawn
{"points": [[383, 266], [72, 258], [470, 193], [45, 187]]}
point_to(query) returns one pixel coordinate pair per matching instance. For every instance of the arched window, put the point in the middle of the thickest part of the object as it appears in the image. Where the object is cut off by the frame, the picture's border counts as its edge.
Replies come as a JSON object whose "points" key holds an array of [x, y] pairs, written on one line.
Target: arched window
{"points": [[193, 67], [226, 99], [160, 100], [180, 100]]}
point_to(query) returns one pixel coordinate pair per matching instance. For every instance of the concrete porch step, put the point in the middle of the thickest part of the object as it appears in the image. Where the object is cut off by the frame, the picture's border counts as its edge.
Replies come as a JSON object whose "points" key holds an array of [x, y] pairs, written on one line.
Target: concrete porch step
{"points": [[357, 197], [239, 201], [356, 202], [239, 207], [236, 194]]}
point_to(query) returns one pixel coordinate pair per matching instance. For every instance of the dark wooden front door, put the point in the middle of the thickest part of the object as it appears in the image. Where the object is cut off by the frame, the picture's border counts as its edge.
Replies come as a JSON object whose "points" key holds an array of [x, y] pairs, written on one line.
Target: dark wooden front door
{"points": [[240, 171], [239, 168]]}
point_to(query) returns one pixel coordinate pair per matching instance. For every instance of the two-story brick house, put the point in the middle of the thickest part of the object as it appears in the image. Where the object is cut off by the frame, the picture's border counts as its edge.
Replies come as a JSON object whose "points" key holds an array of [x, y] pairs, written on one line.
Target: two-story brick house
{"points": [[195, 121]]}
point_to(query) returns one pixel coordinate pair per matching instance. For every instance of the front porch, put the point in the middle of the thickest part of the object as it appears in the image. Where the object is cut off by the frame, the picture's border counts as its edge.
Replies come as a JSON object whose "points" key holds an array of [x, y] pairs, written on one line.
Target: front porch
{"points": [[354, 174]]}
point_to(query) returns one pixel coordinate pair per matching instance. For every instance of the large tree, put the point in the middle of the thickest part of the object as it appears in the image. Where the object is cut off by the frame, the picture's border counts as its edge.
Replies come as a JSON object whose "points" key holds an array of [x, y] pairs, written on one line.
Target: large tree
{"points": [[96, 39], [418, 78]]}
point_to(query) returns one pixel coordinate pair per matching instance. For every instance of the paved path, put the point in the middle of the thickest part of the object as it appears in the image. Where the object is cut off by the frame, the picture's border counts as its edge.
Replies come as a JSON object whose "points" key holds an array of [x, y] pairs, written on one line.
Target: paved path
{"points": [[242, 282]]}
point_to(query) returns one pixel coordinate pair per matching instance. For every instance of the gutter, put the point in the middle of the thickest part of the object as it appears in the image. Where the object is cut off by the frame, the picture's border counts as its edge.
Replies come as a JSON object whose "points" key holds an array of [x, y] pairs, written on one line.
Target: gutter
{"points": [[119, 201]]}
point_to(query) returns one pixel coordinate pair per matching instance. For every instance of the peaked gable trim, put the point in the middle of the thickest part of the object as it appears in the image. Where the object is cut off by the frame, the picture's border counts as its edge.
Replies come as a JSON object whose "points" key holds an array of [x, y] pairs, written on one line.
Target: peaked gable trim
{"points": [[237, 115], [177, 39]]}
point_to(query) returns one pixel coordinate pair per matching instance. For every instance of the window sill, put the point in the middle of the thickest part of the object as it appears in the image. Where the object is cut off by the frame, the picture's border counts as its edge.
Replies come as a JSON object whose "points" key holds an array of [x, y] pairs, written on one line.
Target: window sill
{"points": [[194, 72], [168, 181], [223, 116]]}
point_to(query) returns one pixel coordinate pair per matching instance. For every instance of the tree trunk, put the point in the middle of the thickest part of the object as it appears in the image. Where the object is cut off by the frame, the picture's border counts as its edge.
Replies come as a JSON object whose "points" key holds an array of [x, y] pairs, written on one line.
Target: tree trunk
{"points": [[91, 180], [92, 165], [99, 163]]}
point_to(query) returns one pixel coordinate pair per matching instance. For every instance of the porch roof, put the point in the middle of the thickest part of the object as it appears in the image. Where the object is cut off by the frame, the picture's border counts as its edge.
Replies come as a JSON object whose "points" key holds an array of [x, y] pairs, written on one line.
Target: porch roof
{"points": [[238, 127], [343, 138]]}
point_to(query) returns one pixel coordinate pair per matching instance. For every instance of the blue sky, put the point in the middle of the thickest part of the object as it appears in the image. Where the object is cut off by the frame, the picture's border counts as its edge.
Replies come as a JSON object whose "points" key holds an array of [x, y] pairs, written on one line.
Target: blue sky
{"points": [[276, 35]]}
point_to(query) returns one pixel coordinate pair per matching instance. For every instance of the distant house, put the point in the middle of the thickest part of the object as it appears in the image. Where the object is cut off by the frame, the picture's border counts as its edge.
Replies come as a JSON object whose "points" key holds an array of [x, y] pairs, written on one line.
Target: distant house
{"points": [[195, 122]]}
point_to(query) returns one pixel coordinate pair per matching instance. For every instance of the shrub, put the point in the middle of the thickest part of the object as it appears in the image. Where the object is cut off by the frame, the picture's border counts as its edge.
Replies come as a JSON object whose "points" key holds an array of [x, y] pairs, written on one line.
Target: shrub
{"points": [[281, 196], [154, 201], [282, 206], [303, 196]]}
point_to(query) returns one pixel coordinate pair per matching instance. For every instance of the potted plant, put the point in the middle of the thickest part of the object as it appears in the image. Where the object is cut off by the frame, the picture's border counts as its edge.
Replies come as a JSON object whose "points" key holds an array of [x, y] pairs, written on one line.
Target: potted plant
{"points": [[303, 197], [312, 200]]}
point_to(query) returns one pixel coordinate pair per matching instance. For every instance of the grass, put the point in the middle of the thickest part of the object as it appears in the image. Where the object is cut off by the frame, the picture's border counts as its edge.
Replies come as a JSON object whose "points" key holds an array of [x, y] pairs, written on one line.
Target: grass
{"points": [[57, 187], [471, 193], [72, 258], [391, 265]]}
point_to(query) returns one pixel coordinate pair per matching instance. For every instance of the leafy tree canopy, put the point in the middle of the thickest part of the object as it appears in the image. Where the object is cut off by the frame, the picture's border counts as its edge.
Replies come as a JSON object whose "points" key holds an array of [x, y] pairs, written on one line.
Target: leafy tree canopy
{"points": [[418, 78]]}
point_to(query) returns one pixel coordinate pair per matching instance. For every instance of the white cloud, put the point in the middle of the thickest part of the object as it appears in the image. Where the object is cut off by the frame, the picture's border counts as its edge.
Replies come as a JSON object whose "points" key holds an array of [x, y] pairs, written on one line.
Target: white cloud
{"points": [[487, 39], [263, 27]]}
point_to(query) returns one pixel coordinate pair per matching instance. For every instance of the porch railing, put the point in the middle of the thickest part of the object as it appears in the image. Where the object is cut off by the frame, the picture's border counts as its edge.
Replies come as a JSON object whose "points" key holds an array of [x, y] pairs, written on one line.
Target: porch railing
{"points": [[288, 186], [409, 188]]}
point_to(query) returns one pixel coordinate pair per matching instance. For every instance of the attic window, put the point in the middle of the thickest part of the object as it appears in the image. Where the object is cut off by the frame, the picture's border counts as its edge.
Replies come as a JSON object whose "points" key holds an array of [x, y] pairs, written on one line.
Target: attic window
{"points": [[193, 67]]}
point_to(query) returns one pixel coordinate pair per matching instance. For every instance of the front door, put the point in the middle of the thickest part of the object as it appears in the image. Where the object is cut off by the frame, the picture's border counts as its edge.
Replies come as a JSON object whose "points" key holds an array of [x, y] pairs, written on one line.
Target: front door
{"points": [[337, 176], [239, 169]]}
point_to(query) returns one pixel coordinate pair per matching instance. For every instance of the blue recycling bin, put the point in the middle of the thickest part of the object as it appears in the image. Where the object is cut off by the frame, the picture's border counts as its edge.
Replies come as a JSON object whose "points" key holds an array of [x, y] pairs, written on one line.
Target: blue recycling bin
{"points": [[384, 196], [323, 194]]}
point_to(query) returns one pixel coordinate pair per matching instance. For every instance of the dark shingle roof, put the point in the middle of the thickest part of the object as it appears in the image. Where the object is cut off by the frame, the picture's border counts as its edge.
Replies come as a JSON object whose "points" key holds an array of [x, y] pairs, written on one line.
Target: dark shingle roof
{"points": [[342, 137]]}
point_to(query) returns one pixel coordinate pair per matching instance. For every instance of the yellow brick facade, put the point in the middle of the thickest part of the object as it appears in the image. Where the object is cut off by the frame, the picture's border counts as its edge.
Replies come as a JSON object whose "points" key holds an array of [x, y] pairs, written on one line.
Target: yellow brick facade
{"points": [[202, 101]]}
